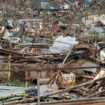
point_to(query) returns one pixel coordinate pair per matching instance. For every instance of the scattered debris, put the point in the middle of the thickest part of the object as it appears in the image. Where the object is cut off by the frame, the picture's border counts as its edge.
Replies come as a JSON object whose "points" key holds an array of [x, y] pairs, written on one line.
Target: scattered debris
{"points": [[56, 48]]}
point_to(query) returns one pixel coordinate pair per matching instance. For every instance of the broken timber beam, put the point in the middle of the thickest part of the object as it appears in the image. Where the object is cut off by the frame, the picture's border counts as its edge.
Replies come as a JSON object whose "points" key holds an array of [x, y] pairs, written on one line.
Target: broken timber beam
{"points": [[38, 67]]}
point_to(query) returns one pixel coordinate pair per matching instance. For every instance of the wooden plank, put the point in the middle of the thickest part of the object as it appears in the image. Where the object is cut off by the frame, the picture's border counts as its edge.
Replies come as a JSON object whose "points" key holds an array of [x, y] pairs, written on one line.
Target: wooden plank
{"points": [[91, 101]]}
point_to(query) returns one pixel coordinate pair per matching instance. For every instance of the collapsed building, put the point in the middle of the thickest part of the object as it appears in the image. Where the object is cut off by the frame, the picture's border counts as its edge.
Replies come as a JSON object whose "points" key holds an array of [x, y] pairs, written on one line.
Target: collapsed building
{"points": [[62, 61]]}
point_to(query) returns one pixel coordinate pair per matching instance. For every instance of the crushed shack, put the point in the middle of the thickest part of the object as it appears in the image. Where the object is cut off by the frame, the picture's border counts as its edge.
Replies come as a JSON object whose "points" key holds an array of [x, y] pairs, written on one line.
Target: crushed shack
{"points": [[52, 52]]}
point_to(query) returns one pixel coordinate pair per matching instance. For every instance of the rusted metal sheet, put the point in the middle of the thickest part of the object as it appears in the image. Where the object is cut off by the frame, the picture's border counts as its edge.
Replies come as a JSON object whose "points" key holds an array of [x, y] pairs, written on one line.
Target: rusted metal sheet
{"points": [[29, 71], [24, 71]]}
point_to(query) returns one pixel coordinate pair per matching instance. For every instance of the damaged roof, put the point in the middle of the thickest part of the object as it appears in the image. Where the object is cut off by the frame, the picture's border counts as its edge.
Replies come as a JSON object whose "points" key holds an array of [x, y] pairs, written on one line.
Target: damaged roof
{"points": [[47, 4]]}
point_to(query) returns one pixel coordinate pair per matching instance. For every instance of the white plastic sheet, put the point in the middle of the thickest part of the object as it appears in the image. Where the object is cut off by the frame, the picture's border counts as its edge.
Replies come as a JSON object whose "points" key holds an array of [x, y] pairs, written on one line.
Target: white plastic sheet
{"points": [[102, 55], [7, 91], [97, 29], [62, 44]]}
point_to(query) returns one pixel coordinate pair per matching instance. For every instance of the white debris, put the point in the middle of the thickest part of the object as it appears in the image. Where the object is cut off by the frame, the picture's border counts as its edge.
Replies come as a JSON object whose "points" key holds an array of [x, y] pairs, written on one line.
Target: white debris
{"points": [[90, 19], [88, 64], [2, 30], [101, 74], [7, 91], [10, 21], [63, 43], [102, 55], [98, 30], [7, 35]]}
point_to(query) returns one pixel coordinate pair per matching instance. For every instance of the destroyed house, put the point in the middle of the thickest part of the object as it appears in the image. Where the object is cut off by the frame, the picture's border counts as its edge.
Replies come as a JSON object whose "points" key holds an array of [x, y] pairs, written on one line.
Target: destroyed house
{"points": [[47, 5]]}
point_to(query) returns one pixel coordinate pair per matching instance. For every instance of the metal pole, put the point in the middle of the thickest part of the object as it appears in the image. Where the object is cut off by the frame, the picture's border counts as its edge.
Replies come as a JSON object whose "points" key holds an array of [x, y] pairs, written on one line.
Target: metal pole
{"points": [[38, 86]]}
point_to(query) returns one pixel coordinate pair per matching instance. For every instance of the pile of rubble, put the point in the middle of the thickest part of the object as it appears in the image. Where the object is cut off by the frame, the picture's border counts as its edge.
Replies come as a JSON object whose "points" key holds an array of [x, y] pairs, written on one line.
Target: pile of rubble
{"points": [[65, 60]]}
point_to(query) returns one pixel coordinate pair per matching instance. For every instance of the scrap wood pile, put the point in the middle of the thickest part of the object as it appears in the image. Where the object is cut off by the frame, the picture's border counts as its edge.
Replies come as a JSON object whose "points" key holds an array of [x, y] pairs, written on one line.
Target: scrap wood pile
{"points": [[61, 50], [66, 86], [86, 90]]}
